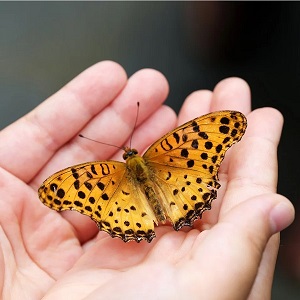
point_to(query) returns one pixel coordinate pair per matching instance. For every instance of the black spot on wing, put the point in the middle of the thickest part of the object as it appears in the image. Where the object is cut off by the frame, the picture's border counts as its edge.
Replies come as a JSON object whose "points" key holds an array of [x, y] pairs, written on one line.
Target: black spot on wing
{"points": [[53, 187], [208, 145], [224, 129], [60, 193], [104, 196], [81, 194], [93, 170], [195, 126], [190, 163], [204, 155], [195, 144], [176, 137], [88, 185], [166, 145], [224, 120], [203, 135], [184, 153]]}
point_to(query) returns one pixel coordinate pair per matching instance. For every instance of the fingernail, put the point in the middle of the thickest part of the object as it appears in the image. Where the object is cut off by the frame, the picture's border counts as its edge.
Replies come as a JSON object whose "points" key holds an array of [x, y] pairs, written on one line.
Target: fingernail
{"points": [[281, 216]]}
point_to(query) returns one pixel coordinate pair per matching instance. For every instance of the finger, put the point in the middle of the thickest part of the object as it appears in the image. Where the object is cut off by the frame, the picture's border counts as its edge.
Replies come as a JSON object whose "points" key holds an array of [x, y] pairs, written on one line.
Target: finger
{"points": [[27, 144], [237, 243], [112, 125], [262, 286], [231, 94], [196, 104], [253, 166]]}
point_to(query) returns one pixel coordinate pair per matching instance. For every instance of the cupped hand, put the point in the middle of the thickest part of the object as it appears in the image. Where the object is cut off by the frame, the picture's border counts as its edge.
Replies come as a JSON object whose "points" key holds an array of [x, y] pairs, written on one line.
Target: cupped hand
{"points": [[50, 255]]}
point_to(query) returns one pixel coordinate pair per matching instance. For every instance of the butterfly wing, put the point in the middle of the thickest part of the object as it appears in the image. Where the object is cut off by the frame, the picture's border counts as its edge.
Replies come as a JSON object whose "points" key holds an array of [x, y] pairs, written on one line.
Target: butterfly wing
{"points": [[185, 163], [105, 192]]}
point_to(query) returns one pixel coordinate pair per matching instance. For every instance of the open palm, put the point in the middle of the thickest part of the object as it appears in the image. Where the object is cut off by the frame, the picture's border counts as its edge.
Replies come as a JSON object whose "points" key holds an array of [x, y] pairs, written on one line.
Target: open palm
{"points": [[229, 254]]}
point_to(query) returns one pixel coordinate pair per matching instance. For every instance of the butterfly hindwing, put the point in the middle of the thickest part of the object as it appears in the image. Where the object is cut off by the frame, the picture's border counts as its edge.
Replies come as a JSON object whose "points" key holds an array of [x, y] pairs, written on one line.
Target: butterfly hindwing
{"points": [[184, 197]]}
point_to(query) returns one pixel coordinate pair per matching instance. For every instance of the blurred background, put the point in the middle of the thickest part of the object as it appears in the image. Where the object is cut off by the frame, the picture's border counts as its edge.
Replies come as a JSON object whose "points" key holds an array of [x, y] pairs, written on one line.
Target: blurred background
{"points": [[43, 45]]}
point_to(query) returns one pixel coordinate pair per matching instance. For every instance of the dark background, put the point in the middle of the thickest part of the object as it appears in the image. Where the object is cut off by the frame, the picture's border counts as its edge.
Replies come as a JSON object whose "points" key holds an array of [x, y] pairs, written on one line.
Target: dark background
{"points": [[194, 44]]}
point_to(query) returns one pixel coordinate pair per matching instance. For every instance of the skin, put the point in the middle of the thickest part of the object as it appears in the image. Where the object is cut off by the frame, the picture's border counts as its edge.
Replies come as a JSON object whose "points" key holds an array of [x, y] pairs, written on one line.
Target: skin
{"points": [[50, 255]]}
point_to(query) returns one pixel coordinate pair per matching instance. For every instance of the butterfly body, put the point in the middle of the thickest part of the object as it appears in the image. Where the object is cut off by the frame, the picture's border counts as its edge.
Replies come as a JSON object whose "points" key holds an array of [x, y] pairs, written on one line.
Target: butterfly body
{"points": [[144, 178], [175, 180]]}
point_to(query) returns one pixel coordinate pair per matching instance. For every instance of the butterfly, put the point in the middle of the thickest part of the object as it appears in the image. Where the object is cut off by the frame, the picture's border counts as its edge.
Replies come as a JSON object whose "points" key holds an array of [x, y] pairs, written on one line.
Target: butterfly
{"points": [[175, 180]]}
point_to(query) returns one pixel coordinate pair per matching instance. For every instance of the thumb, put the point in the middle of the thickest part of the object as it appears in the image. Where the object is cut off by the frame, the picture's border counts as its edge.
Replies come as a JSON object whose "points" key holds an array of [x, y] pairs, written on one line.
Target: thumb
{"points": [[234, 248]]}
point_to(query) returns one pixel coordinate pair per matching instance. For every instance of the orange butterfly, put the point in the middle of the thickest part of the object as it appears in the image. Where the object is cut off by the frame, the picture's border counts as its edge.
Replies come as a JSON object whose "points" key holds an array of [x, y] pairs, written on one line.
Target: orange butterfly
{"points": [[175, 180]]}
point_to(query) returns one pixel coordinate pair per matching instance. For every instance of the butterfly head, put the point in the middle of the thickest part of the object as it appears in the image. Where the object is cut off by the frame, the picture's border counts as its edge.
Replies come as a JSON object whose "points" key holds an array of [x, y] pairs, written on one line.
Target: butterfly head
{"points": [[129, 153]]}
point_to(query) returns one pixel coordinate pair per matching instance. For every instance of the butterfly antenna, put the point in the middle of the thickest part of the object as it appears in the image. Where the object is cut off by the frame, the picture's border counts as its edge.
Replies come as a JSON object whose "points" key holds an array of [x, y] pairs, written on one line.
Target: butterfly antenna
{"points": [[82, 136], [136, 118]]}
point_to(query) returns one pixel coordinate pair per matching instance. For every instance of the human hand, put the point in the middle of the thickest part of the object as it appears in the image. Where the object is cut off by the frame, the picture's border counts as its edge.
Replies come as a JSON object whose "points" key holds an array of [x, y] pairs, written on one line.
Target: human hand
{"points": [[50, 255]]}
